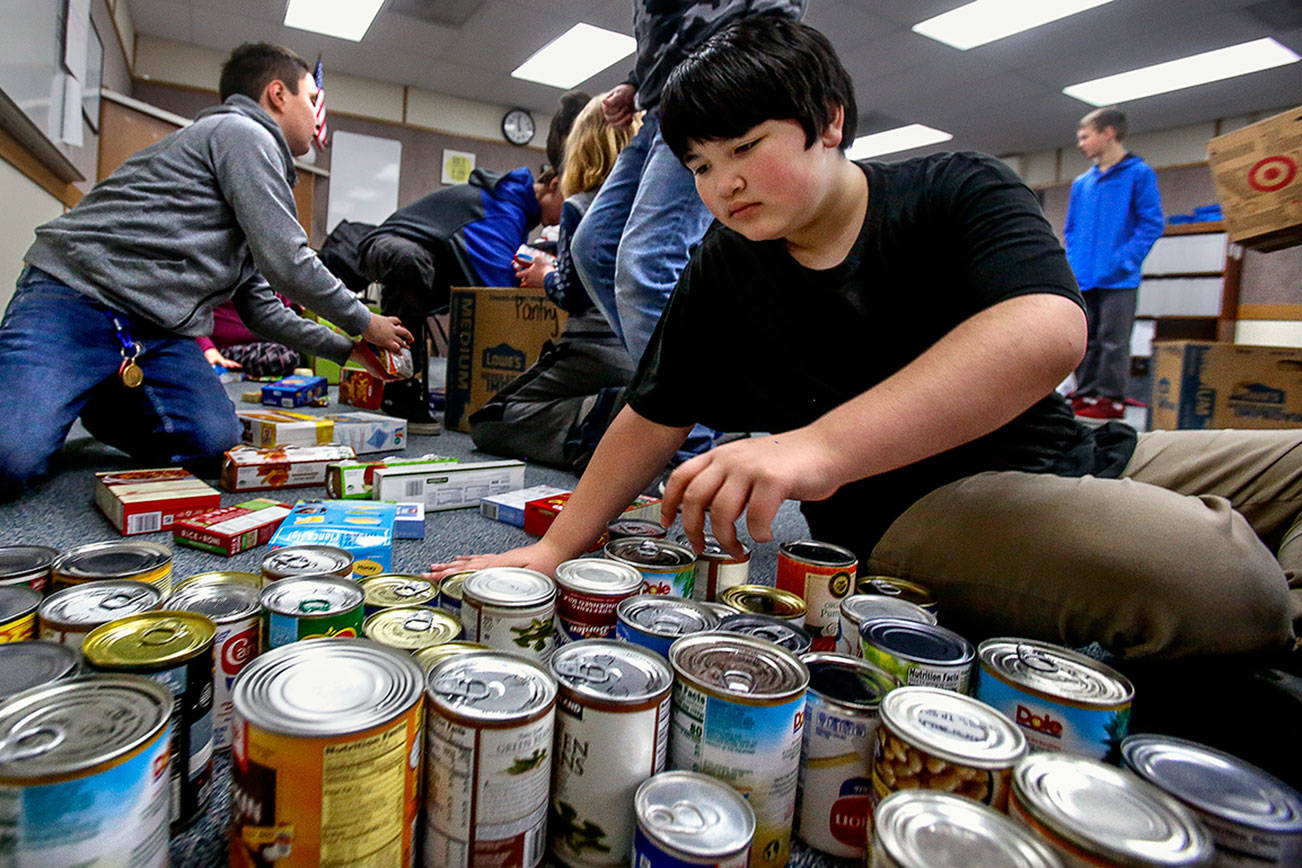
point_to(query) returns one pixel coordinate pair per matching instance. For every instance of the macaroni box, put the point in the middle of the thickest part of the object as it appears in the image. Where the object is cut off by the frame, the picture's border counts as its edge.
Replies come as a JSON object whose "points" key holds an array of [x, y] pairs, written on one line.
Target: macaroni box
{"points": [[369, 432], [354, 480], [442, 485], [230, 530], [295, 391], [363, 528], [146, 501], [248, 468], [508, 507], [281, 428]]}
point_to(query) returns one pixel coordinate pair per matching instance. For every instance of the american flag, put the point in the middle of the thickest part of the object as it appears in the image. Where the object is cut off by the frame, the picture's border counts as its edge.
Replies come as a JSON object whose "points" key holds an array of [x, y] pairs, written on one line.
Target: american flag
{"points": [[319, 107]]}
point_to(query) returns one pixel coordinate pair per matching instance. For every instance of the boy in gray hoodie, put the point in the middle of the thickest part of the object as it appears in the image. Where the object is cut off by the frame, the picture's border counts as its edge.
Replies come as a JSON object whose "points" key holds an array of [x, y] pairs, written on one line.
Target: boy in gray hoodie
{"points": [[103, 321]]}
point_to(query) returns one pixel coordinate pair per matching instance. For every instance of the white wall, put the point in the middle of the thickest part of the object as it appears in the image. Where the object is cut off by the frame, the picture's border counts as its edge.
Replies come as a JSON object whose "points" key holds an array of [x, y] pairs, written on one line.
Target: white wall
{"points": [[27, 206]]}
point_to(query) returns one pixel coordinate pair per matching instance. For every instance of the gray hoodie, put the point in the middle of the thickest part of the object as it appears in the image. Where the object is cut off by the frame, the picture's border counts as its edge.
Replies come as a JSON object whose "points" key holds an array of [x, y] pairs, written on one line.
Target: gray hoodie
{"points": [[194, 219]]}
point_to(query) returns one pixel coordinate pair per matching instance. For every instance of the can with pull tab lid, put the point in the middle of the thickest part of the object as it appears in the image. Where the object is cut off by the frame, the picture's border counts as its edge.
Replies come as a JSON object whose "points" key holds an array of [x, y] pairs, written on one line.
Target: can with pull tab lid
{"points": [[690, 819], [67, 616]]}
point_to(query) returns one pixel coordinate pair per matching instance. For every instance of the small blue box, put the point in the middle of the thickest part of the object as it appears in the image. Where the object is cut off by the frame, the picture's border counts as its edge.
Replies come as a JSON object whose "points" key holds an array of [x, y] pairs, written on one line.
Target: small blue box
{"points": [[363, 528], [295, 391], [409, 521]]}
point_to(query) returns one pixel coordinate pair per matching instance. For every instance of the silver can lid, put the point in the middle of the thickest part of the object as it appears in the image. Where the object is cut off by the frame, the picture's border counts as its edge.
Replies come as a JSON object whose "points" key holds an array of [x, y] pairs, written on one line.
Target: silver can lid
{"points": [[18, 600], [305, 560], [25, 562], [916, 642], [719, 610], [323, 687], [224, 602], [311, 596], [713, 551], [1215, 783], [73, 726], [922, 828], [1055, 672], [490, 686], [771, 629], [598, 576], [508, 587], [953, 726], [848, 682], [116, 559], [693, 814], [24, 665], [1109, 812], [100, 602], [858, 608], [739, 666], [665, 616], [610, 671], [641, 552]]}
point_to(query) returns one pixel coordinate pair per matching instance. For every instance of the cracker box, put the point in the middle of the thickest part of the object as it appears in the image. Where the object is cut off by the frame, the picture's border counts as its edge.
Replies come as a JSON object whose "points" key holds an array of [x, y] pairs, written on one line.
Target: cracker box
{"points": [[146, 501], [1199, 384], [363, 528], [230, 530], [409, 521], [248, 468], [362, 389], [441, 485], [508, 507], [354, 480], [539, 514], [269, 428], [1258, 175], [369, 432], [295, 391]]}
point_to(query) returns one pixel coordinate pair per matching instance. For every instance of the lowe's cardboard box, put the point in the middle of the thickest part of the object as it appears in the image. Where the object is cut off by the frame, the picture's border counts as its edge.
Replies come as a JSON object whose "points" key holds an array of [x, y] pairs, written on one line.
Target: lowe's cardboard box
{"points": [[1198, 384], [493, 336], [1258, 176]]}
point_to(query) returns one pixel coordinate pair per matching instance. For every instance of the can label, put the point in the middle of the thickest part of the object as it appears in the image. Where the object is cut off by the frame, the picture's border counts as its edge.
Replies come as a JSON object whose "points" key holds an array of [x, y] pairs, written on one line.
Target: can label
{"points": [[634, 635], [713, 577], [235, 645], [284, 629], [19, 629], [192, 735], [679, 584], [898, 765], [822, 588], [956, 677], [1053, 726], [835, 779], [753, 748], [38, 582], [523, 631], [588, 616], [649, 854]]}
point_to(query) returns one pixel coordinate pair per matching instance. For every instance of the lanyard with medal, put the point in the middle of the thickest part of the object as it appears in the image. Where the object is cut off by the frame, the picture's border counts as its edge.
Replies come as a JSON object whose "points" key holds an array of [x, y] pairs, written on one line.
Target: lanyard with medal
{"points": [[128, 372]]}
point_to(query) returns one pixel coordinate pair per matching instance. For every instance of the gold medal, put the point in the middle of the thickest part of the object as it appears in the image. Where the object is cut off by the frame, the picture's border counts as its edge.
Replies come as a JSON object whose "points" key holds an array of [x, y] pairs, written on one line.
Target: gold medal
{"points": [[130, 374]]}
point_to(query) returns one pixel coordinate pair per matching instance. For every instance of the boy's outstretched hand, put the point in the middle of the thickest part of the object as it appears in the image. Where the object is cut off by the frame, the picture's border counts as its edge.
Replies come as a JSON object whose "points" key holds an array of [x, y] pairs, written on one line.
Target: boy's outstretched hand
{"points": [[540, 556], [387, 332]]}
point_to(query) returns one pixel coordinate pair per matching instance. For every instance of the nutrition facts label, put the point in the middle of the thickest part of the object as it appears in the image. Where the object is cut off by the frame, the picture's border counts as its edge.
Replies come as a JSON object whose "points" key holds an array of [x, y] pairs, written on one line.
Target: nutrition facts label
{"points": [[361, 799]]}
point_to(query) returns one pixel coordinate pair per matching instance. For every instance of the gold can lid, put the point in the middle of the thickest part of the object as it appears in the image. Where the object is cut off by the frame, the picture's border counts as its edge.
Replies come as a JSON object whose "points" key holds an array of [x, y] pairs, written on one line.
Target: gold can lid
{"points": [[901, 589], [388, 590], [149, 640], [764, 600], [428, 658], [411, 627]]}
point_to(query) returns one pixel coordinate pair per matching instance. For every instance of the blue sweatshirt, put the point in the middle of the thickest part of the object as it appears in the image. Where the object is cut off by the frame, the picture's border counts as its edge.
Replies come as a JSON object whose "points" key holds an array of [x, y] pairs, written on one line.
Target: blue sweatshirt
{"points": [[1113, 218]]}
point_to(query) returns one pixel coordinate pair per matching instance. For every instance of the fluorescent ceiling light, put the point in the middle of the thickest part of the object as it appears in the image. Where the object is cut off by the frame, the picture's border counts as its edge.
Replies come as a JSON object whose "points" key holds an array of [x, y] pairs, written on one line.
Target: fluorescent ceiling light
{"points": [[985, 21], [898, 139], [346, 19], [1187, 72], [575, 56]]}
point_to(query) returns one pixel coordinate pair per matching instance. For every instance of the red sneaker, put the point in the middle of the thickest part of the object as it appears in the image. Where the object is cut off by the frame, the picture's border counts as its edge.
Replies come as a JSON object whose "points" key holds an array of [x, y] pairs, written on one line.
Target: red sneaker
{"points": [[1102, 408]]}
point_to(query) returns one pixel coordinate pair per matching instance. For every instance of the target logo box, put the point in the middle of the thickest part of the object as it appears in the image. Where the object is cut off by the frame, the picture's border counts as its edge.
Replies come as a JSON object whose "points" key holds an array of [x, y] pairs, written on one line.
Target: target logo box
{"points": [[1258, 176]]}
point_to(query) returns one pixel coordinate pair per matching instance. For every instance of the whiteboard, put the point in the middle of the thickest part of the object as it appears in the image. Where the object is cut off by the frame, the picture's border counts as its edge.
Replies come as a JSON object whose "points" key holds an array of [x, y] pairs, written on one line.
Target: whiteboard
{"points": [[363, 178], [31, 48]]}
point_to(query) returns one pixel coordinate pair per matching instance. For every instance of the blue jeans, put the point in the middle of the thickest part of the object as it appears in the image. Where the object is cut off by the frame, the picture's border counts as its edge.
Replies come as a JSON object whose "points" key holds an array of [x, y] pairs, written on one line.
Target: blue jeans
{"points": [[60, 353]]}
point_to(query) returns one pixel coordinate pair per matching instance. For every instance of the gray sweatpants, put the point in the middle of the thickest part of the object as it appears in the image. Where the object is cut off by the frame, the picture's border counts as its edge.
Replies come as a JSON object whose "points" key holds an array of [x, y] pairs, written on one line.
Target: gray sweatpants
{"points": [[1106, 366]]}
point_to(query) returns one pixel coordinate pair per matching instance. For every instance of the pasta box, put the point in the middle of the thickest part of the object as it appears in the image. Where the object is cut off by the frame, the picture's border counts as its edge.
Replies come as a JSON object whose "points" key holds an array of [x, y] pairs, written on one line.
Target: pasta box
{"points": [[147, 501]]}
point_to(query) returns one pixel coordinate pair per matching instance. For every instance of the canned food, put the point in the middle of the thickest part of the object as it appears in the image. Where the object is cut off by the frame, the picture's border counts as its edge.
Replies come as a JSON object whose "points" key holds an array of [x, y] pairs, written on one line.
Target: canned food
{"points": [[83, 773], [27, 566], [777, 631], [667, 568], [716, 570], [307, 607], [391, 590], [763, 600], [841, 715], [612, 733], [450, 592], [67, 616], [253, 579], [24, 665], [326, 762], [901, 589], [1254, 818], [634, 528], [719, 610], [429, 657], [307, 560], [512, 609], [590, 589], [233, 605], [822, 575], [1094, 814], [934, 739], [922, 654], [739, 706], [1063, 701], [488, 760], [175, 650], [18, 605], [924, 828], [857, 608], [655, 622], [689, 819], [410, 628], [125, 559]]}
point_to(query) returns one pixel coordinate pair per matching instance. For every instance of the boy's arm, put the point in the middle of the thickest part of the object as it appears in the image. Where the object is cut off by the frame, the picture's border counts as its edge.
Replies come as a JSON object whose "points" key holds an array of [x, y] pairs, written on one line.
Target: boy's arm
{"points": [[632, 451], [1006, 357]]}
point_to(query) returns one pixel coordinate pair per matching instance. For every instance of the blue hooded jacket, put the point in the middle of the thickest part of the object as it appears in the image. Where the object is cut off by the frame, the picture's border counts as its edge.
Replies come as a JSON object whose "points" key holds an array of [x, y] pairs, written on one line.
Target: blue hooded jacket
{"points": [[1113, 218]]}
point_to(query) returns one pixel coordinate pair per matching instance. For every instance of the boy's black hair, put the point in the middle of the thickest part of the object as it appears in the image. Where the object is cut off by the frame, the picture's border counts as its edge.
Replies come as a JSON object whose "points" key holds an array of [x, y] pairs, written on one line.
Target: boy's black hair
{"points": [[757, 69], [572, 102], [254, 65]]}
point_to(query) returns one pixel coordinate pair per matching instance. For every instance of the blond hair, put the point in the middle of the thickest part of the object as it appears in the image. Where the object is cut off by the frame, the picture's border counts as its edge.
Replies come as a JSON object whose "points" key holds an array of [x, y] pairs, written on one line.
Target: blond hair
{"points": [[591, 149]]}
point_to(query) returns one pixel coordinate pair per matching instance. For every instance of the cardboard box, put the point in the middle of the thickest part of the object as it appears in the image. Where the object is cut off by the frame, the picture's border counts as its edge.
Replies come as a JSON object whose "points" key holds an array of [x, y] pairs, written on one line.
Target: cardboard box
{"points": [[447, 486], [508, 507], [539, 514], [268, 428], [494, 335], [230, 530], [1258, 176], [369, 432], [295, 391], [248, 468], [353, 480], [1198, 384], [409, 521], [364, 529], [147, 501]]}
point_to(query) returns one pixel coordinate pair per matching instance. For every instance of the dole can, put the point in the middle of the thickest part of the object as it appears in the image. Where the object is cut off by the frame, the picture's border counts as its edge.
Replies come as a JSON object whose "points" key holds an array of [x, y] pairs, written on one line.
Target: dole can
{"points": [[667, 568]]}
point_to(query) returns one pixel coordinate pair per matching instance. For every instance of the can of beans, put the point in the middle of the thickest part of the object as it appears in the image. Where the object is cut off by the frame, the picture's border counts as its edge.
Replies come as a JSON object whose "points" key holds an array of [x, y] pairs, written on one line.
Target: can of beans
{"points": [[307, 560], [924, 828], [667, 568], [739, 707], [325, 768], [24, 665], [488, 760], [933, 739], [822, 575], [27, 566], [889, 586], [655, 622], [511, 609], [590, 589], [391, 590], [234, 607], [1063, 701], [775, 630], [841, 715], [253, 579], [175, 650], [67, 616], [716, 570], [857, 608], [633, 528], [691, 819], [764, 600], [308, 607], [922, 654], [450, 592], [411, 628], [83, 773], [612, 733], [125, 559], [429, 657], [18, 605]]}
